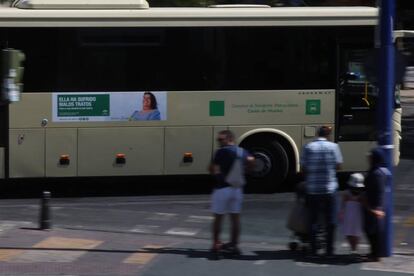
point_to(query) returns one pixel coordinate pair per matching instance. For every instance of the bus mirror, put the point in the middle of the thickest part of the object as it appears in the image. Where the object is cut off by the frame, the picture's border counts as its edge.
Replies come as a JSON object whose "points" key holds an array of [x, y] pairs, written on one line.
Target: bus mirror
{"points": [[12, 75]]}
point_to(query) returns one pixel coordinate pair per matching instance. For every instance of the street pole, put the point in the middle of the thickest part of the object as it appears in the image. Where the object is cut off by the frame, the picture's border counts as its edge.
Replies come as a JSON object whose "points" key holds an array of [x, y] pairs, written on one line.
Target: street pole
{"points": [[386, 101]]}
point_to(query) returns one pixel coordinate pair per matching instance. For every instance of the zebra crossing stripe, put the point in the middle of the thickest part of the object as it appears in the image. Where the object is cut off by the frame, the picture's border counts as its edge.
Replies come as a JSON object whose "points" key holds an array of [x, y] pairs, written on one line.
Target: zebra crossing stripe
{"points": [[162, 216], [142, 258], [145, 228], [182, 231], [199, 219], [66, 250]]}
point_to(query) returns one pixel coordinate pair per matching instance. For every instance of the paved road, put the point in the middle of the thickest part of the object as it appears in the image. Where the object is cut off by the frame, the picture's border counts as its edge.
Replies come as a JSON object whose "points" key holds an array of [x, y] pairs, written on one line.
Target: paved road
{"points": [[170, 235]]}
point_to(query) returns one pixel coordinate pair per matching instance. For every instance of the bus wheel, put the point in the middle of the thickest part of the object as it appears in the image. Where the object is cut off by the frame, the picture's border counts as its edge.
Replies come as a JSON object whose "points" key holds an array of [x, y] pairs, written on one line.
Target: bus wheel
{"points": [[272, 164]]}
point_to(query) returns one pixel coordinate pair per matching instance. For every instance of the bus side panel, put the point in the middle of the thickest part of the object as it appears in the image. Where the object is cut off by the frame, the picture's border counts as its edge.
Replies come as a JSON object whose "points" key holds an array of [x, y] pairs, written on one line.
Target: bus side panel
{"points": [[31, 110], [181, 140], [27, 153], [355, 155], [98, 148], [2, 163], [61, 142]]}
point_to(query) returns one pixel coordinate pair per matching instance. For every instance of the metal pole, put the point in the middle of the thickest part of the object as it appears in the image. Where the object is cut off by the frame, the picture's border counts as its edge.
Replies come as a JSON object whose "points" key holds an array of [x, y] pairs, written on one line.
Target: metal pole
{"points": [[44, 220], [386, 101]]}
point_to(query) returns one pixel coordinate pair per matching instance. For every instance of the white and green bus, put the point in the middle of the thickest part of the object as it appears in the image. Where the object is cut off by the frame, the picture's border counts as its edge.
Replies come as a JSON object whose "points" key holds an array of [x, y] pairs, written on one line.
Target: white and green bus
{"points": [[272, 75]]}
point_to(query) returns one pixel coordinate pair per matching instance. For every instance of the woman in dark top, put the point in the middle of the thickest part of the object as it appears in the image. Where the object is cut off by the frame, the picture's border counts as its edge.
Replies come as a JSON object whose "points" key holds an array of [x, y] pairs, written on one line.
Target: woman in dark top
{"points": [[374, 202]]}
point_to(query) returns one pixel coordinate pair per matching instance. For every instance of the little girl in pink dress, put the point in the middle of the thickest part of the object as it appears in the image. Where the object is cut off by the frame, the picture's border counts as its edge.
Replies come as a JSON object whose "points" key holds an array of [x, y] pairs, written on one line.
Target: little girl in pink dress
{"points": [[351, 212]]}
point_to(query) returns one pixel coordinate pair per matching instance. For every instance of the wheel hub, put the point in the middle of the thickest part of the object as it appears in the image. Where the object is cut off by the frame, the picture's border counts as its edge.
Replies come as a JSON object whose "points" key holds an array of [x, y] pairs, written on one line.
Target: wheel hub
{"points": [[263, 164]]}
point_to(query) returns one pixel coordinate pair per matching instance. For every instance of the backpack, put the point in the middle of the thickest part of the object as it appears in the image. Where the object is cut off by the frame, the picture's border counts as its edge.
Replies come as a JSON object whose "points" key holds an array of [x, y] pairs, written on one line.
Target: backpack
{"points": [[235, 176]]}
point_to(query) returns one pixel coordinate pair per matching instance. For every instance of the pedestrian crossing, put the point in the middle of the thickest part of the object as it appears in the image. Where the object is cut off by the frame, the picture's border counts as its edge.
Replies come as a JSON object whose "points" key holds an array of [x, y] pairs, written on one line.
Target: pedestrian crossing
{"points": [[172, 224], [158, 223], [130, 255]]}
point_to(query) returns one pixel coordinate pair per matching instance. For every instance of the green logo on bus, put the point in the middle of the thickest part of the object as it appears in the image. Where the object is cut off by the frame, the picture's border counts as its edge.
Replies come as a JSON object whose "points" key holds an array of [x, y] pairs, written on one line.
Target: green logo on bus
{"points": [[313, 107], [216, 108]]}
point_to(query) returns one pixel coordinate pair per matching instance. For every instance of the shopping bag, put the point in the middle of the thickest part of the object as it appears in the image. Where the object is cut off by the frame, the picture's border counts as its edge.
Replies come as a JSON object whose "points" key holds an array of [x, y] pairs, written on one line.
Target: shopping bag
{"points": [[298, 218]]}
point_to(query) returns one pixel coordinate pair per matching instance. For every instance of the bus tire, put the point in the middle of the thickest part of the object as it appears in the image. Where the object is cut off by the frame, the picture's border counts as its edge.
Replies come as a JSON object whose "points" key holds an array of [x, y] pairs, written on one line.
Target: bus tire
{"points": [[272, 164]]}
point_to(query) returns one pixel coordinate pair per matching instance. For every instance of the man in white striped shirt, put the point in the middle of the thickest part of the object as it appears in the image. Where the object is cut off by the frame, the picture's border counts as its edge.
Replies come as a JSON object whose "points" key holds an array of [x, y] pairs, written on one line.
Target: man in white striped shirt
{"points": [[320, 161]]}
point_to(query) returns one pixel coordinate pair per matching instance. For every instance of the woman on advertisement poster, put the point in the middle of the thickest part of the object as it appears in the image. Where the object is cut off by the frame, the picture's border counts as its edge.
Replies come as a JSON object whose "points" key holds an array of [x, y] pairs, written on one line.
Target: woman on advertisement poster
{"points": [[149, 110]]}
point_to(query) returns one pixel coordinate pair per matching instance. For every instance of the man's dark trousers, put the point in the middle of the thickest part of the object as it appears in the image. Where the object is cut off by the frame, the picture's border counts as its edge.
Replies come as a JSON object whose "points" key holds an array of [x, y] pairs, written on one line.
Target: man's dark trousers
{"points": [[322, 210]]}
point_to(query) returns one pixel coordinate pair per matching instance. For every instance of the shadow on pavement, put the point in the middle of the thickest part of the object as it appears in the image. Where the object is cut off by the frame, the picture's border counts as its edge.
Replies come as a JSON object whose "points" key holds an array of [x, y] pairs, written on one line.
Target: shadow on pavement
{"points": [[269, 255], [258, 256]]}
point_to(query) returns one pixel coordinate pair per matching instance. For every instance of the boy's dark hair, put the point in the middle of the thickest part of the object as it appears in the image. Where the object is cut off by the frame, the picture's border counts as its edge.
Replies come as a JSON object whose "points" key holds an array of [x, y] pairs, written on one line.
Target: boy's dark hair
{"points": [[229, 135]]}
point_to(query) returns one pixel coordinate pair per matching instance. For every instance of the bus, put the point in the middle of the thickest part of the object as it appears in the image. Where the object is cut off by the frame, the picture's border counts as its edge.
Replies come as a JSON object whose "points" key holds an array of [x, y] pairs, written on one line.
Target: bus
{"points": [[272, 75]]}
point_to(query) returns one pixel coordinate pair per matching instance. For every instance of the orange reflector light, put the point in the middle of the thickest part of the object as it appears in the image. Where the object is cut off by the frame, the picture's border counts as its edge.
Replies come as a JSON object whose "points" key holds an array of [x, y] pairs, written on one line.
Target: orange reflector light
{"points": [[120, 155], [188, 157], [64, 159]]}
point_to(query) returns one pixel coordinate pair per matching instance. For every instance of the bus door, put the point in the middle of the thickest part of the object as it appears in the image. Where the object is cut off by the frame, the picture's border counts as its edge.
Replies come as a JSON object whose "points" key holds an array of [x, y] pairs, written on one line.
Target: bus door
{"points": [[356, 105], [357, 100]]}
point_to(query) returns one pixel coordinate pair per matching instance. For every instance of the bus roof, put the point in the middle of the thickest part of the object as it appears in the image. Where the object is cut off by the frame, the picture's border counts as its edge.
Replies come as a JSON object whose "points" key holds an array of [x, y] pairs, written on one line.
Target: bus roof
{"points": [[80, 4], [189, 17]]}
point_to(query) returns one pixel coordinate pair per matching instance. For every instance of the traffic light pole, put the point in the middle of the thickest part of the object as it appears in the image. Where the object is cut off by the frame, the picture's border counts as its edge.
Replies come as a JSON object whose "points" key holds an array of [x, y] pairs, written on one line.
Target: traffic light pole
{"points": [[386, 101], [11, 75]]}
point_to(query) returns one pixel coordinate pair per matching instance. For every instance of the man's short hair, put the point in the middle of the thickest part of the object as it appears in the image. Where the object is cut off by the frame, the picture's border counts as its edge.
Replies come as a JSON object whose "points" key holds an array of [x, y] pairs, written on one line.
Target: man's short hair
{"points": [[324, 131], [229, 135]]}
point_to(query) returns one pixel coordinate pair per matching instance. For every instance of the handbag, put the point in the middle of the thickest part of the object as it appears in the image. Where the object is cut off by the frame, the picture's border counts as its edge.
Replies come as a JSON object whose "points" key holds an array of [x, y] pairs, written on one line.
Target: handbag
{"points": [[235, 177]]}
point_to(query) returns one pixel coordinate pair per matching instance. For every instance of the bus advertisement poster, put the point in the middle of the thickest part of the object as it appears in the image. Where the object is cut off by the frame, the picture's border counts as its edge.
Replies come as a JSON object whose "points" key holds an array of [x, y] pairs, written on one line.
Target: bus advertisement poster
{"points": [[109, 106]]}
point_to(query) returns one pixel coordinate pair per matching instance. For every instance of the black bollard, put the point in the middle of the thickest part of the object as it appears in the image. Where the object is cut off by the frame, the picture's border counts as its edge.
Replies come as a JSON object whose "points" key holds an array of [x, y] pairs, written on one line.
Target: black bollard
{"points": [[45, 221]]}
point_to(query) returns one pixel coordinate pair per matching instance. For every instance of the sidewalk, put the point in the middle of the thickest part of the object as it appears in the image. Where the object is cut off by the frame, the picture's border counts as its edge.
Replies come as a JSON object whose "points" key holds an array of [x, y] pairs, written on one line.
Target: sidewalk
{"points": [[24, 250]]}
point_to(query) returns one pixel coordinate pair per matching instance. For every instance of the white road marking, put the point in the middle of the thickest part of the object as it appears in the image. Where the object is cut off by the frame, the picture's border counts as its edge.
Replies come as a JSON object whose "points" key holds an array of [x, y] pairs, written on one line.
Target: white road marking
{"points": [[260, 262], [182, 231], [162, 216], [145, 228], [6, 225], [199, 219], [305, 264]]}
